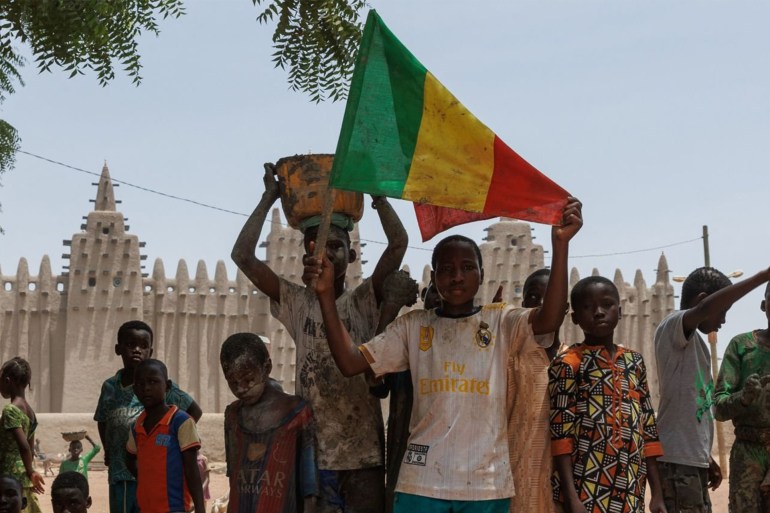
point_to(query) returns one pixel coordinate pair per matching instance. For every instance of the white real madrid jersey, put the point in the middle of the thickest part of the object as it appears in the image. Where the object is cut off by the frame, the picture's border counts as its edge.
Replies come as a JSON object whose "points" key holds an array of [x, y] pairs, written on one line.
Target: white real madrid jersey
{"points": [[458, 447]]}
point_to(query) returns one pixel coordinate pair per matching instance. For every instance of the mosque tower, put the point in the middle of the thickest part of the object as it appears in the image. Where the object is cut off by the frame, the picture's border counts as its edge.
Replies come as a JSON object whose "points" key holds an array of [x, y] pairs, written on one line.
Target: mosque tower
{"points": [[104, 289]]}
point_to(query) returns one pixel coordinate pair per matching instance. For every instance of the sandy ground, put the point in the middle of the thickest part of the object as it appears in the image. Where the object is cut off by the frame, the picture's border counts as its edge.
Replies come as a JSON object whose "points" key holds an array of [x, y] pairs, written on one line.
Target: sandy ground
{"points": [[218, 488], [97, 479]]}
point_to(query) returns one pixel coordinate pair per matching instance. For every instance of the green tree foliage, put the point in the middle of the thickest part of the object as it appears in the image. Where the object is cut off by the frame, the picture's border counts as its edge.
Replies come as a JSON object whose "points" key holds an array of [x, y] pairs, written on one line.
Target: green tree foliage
{"points": [[316, 41], [74, 35]]}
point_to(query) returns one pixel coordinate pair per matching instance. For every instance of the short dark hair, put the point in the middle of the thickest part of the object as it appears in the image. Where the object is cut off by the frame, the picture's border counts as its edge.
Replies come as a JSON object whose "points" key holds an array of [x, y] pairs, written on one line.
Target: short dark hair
{"points": [[71, 479], [240, 344], [134, 326], [579, 290], [540, 273], [12, 479], [152, 362], [702, 280], [18, 370], [452, 239]]}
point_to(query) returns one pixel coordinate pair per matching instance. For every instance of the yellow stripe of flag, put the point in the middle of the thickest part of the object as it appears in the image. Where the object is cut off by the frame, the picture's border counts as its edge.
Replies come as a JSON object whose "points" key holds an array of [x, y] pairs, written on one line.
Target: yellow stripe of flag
{"points": [[459, 177]]}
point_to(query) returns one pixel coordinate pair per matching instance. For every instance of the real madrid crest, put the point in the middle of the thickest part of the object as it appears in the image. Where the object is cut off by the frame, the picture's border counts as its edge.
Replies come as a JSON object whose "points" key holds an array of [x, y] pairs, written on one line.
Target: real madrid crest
{"points": [[483, 336]]}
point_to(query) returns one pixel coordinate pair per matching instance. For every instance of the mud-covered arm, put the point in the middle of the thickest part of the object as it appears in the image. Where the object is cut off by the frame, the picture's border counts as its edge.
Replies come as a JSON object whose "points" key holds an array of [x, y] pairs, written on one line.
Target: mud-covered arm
{"points": [[398, 240], [550, 316], [244, 250], [346, 354]]}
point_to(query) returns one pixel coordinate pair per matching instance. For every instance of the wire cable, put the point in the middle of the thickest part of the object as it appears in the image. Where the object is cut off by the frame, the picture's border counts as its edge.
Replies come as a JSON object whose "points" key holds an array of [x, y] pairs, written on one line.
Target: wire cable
{"points": [[220, 209]]}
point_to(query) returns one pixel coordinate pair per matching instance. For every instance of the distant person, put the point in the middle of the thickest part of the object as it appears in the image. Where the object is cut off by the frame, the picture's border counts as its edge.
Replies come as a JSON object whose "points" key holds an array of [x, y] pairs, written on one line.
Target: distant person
{"points": [[685, 420], [17, 436], [349, 419], [75, 461], [12, 498], [70, 493], [162, 447], [743, 396], [118, 408], [604, 438], [269, 435]]}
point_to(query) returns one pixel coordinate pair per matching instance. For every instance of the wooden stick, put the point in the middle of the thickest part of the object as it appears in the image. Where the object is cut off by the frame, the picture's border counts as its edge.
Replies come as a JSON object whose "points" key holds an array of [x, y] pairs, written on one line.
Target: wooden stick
{"points": [[323, 228]]}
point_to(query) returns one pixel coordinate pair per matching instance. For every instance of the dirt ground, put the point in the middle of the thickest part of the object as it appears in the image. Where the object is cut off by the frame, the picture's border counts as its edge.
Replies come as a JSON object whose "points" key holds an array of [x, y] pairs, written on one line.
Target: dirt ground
{"points": [[218, 488], [97, 479]]}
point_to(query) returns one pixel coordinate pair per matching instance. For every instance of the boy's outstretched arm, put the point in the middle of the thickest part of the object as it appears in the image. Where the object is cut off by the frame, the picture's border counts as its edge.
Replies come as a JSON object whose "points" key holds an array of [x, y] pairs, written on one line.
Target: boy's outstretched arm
{"points": [[714, 306], [398, 240], [550, 316], [244, 250], [192, 477], [348, 358]]}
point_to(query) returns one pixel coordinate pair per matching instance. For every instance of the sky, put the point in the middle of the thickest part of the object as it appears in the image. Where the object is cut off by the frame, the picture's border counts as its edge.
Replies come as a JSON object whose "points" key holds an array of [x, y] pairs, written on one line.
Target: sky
{"points": [[654, 114]]}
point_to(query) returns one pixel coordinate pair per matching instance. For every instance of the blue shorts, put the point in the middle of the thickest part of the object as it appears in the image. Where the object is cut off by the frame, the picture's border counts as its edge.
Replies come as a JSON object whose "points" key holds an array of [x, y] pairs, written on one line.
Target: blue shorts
{"points": [[408, 503], [123, 497]]}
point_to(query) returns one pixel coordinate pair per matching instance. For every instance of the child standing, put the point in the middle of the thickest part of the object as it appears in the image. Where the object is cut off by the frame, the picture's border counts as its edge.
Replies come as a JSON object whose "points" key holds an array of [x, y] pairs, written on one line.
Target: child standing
{"points": [[12, 499], [457, 456], [603, 432], [349, 418], [76, 462], [743, 396], [269, 435], [118, 408], [162, 447], [18, 431], [529, 441], [205, 472], [70, 493], [685, 420]]}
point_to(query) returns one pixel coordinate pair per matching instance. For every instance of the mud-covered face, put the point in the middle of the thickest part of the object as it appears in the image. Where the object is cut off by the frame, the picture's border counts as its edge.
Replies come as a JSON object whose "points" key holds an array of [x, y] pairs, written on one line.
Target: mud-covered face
{"points": [[246, 378], [69, 500], [11, 499], [134, 348], [337, 250]]}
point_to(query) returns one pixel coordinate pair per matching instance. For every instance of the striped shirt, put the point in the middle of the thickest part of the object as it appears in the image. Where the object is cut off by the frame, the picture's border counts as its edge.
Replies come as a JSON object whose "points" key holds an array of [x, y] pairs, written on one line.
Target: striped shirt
{"points": [[161, 486]]}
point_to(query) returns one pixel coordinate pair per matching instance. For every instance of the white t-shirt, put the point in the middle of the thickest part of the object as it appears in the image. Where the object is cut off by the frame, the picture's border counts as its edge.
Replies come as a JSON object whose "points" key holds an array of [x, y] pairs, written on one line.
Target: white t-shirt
{"points": [[685, 420], [458, 443], [349, 426]]}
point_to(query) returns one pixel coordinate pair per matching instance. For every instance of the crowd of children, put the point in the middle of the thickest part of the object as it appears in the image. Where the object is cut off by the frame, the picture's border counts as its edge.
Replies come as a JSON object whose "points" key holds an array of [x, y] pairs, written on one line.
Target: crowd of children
{"points": [[489, 411]]}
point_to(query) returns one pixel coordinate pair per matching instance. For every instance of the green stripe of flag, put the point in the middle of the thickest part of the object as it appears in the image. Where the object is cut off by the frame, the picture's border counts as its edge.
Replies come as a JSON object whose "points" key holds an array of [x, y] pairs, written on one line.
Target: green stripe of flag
{"points": [[382, 116]]}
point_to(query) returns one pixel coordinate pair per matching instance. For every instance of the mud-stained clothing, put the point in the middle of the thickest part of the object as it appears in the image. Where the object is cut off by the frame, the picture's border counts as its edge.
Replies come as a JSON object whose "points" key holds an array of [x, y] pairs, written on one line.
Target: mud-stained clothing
{"points": [[529, 438], [458, 442], [272, 470], [602, 416], [750, 454], [349, 427]]}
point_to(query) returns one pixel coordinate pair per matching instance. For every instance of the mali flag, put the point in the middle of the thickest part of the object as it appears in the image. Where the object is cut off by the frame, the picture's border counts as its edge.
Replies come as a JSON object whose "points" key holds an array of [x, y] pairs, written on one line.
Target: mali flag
{"points": [[404, 135]]}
